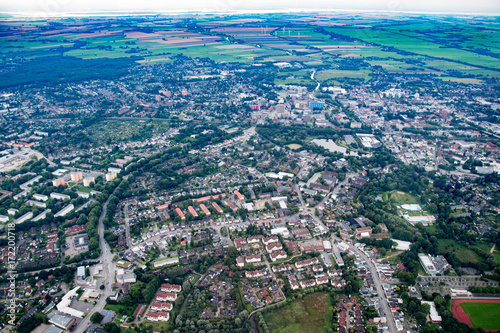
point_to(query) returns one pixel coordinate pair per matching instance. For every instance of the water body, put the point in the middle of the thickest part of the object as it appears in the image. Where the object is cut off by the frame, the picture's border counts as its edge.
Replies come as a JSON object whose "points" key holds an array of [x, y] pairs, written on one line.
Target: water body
{"points": [[330, 145]]}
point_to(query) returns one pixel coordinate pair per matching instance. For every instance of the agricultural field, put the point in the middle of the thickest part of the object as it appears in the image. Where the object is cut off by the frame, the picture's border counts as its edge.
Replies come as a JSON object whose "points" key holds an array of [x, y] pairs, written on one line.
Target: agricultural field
{"points": [[345, 48], [307, 315]]}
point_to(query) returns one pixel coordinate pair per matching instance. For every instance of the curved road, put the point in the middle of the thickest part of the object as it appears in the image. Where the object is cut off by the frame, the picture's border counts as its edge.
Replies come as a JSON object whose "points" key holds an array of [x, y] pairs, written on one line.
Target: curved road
{"points": [[106, 259]]}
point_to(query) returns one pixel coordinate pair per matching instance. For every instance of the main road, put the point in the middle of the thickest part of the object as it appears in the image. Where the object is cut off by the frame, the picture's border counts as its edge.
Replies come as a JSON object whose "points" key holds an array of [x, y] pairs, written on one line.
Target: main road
{"points": [[106, 260], [376, 279]]}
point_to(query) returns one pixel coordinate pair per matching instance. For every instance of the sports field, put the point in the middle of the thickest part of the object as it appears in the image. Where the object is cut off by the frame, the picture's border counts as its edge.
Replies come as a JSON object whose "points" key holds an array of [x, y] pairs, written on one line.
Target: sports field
{"points": [[483, 314]]}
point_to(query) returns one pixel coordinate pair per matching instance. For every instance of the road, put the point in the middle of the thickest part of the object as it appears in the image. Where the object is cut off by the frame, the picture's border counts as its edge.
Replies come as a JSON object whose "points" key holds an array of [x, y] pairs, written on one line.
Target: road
{"points": [[312, 78], [376, 279], [106, 259], [127, 226], [378, 285]]}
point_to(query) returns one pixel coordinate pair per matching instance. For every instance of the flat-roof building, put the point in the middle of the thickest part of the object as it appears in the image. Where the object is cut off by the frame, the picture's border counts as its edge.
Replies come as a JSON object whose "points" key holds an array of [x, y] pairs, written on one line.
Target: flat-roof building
{"points": [[433, 265], [65, 210], [62, 321]]}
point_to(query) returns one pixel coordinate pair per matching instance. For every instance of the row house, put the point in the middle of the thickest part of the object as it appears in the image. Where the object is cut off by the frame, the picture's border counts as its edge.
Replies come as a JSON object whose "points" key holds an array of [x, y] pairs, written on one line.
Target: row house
{"points": [[170, 288], [305, 263], [157, 306], [158, 316], [322, 280], [274, 247], [307, 283], [255, 274], [282, 268], [161, 297], [278, 255], [293, 282], [269, 240]]}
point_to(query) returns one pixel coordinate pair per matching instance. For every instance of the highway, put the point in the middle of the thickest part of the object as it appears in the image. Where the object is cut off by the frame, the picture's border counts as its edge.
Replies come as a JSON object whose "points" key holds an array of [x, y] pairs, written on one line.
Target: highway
{"points": [[106, 259]]}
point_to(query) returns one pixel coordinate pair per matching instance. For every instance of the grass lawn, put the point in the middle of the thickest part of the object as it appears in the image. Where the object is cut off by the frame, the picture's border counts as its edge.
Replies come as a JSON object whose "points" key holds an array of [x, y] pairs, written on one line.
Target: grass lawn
{"points": [[119, 309], [483, 315], [157, 326], [305, 316], [463, 253], [84, 189], [400, 198], [496, 254], [432, 229], [486, 247]]}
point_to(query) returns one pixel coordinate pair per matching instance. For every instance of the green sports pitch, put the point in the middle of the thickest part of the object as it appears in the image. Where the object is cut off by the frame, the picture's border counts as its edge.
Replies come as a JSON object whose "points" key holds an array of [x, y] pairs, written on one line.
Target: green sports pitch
{"points": [[483, 315]]}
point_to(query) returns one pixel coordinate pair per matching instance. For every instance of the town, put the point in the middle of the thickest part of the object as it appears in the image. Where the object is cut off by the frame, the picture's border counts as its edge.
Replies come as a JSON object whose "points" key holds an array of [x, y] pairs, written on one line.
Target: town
{"points": [[200, 195]]}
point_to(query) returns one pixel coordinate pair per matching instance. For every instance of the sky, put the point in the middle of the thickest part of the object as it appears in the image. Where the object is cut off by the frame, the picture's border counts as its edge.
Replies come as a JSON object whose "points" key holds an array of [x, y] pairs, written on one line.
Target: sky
{"points": [[57, 7]]}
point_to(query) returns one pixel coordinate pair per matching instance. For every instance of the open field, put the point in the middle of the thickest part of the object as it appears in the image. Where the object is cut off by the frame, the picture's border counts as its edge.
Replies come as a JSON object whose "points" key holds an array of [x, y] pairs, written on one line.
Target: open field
{"points": [[496, 254], [305, 316], [400, 198], [325, 75], [461, 252], [483, 314], [349, 46], [116, 131], [294, 146]]}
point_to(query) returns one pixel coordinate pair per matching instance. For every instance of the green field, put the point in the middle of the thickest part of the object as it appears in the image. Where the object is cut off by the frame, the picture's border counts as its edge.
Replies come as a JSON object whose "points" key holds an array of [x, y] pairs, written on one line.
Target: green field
{"points": [[483, 315], [116, 131], [305, 316], [84, 189], [400, 198], [463, 253], [329, 74], [496, 254]]}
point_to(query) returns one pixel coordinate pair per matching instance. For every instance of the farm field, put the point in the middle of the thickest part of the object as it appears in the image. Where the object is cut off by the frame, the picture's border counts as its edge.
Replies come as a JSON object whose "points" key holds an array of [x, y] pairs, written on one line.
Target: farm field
{"points": [[346, 48], [329, 74], [480, 314], [305, 316]]}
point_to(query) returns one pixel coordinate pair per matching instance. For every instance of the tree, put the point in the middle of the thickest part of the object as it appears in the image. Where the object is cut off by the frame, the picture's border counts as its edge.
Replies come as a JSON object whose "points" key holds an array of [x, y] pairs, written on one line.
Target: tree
{"points": [[111, 328], [96, 318], [186, 286]]}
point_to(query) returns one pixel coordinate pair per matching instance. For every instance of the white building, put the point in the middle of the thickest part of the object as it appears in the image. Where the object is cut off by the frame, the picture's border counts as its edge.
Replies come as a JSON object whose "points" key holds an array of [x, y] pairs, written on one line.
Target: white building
{"points": [[65, 210], [283, 231], [124, 278], [24, 218], [63, 305], [59, 196], [40, 197], [435, 317]]}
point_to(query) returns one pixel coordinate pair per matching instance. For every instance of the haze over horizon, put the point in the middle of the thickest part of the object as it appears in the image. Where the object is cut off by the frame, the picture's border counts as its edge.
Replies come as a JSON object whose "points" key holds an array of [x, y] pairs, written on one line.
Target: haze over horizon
{"points": [[58, 7]]}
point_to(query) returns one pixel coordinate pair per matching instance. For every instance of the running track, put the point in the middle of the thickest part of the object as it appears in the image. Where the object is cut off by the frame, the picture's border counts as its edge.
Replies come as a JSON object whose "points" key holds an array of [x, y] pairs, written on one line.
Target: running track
{"points": [[459, 313]]}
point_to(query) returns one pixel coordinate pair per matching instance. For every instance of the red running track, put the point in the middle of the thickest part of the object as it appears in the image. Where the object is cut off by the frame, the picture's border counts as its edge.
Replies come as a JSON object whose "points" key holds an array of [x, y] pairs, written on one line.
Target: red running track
{"points": [[459, 313]]}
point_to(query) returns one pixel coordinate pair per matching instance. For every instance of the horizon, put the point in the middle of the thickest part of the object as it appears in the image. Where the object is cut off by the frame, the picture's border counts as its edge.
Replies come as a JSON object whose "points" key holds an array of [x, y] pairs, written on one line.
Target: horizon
{"points": [[64, 8]]}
